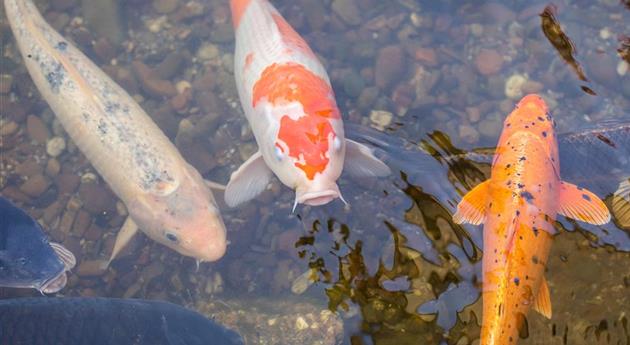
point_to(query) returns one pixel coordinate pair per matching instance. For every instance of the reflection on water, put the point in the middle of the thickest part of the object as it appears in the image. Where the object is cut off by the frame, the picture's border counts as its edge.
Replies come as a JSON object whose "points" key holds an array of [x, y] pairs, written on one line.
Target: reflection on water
{"points": [[427, 85]]}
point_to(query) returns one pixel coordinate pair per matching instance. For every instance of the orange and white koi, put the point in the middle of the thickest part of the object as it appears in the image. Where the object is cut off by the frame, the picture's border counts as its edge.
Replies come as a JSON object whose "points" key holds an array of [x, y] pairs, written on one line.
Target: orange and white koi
{"points": [[518, 206], [288, 100], [166, 197]]}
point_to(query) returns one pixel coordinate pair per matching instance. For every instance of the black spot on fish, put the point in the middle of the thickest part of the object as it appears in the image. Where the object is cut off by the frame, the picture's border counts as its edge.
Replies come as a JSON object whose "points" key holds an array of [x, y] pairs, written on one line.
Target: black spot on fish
{"points": [[544, 134], [509, 182], [102, 127], [55, 77], [535, 231], [516, 281], [586, 197], [508, 125], [535, 259], [541, 119], [606, 140], [61, 46], [29, 56], [528, 196], [520, 185], [518, 213], [522, 158], [526, 126]]}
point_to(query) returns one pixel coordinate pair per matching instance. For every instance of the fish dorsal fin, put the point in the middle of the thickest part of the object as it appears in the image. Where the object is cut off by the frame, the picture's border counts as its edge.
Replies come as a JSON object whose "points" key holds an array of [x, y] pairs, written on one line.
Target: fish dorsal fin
{"points": [[621, 203], [360, 161], [542, 304], [581, 204], [249, 180], [66, 256], [472, 208]]}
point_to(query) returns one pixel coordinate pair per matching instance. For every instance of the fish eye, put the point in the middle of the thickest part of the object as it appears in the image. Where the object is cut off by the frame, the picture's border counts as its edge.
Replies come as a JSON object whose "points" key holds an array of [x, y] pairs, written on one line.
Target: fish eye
{"points": [[278, 153], [21, 261], [172, 237], [337, 144]]}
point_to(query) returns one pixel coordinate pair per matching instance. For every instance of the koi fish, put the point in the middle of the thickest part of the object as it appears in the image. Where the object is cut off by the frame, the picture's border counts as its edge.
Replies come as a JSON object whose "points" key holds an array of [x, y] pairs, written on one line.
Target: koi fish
{"points": [[518, 206], [27, 259], [290, 105], [165, 196], [101, 321]]}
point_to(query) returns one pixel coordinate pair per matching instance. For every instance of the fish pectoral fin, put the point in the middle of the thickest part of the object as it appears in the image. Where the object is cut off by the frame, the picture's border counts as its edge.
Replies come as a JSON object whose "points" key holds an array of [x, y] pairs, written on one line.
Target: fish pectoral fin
{"points": [[542, 304], [66, 256], [249, 180], [126, 233], [621, 203], [472, 208], [581, 204], [361, 162], [214, 185]]}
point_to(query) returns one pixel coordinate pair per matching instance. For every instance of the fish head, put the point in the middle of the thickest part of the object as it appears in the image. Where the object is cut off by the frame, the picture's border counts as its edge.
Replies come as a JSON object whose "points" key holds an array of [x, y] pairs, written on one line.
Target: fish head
{"points": [[304, 144], [27, 260], [531, 114], [308, 155], [531, 118], [32, 265], [186, 219]]}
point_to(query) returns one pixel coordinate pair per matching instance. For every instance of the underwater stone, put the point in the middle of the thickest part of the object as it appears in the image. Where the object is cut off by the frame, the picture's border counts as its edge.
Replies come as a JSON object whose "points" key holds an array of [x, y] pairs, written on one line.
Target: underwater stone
{"points": [[514, 86], [103, 16], [55, 146]]}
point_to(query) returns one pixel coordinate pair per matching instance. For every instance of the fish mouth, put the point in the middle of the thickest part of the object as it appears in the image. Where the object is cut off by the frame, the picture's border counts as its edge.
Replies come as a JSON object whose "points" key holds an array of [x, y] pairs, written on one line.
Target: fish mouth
{"points": [[318, 198]]}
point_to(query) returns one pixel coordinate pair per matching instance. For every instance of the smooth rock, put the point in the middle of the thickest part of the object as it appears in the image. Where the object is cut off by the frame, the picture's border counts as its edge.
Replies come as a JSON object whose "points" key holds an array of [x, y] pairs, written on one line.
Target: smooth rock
{"points": [[347, 10], [35, 186], [53, 167], [381, 119], [514, 86], [8, 128], [165, 6], [103, 17], [37, 129], [96, 198], [6, 82], [488, 61], [91, 268], [389, 66], [55, 146]]}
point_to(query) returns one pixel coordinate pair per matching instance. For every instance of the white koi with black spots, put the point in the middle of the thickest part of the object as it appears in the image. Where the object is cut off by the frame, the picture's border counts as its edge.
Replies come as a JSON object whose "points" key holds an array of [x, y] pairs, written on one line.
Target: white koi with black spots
{"points": [[165, 196]]}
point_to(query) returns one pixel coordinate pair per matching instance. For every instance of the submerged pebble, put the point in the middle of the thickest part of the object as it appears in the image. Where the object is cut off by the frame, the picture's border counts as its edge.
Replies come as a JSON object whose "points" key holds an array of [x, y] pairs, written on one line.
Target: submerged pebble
{"points": [[55, 146], [514, 86]]}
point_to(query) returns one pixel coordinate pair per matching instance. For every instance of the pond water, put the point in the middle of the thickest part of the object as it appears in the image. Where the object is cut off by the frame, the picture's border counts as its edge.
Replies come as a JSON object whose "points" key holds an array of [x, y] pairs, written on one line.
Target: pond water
{"points": [[426, 84]]}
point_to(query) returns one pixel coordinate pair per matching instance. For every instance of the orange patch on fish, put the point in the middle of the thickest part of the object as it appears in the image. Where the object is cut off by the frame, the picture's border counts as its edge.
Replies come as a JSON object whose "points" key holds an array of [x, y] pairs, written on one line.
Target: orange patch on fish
{"points": [[238, 9], [290, 82], [307, 140], [290, 36], [248, 60]]}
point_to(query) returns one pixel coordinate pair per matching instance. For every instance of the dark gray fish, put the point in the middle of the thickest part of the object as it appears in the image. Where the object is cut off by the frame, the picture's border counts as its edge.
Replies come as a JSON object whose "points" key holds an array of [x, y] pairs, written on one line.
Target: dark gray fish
{"points": [[106, 321], [27, 259]]}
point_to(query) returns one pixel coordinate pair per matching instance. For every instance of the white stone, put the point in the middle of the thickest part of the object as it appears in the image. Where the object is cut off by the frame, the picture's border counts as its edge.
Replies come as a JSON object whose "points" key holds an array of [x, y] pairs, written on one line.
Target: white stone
{"points": [[514, 86], [622, 68], [301, 324], [55, 146]]}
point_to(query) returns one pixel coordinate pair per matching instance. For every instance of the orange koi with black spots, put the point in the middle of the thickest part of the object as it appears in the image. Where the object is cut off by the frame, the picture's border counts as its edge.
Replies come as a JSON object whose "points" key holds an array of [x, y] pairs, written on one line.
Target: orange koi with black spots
{"points": [[288, 100], [518, 206]]}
